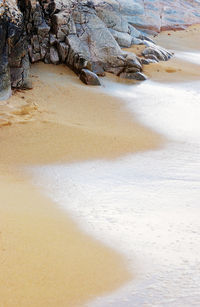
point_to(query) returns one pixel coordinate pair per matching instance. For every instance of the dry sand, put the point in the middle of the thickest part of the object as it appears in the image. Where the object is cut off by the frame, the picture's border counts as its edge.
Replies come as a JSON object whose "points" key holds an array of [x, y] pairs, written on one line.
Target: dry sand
{"points": [[45, 259]]}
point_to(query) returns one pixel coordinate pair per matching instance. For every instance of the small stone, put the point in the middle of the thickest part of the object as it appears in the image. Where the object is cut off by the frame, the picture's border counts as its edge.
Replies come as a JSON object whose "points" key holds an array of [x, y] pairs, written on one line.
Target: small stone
{"points": [[133, 76], [89, 78]]}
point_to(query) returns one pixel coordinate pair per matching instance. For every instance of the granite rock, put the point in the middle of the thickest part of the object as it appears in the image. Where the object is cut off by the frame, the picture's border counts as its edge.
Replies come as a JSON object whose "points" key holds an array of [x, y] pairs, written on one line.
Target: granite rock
{"points": [[85, 35]]}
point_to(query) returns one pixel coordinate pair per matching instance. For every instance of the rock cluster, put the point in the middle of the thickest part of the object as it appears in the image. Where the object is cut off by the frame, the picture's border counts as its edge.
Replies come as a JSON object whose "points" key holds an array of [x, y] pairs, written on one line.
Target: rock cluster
{"points": [[71, 32], [85, 35]]}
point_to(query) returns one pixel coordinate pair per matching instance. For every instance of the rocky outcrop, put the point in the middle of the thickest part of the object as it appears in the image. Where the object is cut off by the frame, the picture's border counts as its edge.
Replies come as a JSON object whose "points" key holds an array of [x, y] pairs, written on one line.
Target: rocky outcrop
{"points": [[71, 32], [85, 35], [14, 61], [148, 15]]}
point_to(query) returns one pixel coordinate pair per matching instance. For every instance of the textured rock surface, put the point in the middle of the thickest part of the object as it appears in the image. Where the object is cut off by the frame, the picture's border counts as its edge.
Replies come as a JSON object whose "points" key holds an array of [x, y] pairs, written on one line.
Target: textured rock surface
{"points": [[84, 34], [153, 15], [14, 61], [88, 77]]}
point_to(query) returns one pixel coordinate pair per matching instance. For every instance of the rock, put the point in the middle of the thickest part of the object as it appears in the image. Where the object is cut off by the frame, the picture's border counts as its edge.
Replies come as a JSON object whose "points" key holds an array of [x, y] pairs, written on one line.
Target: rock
{"points": [[43, 29], [54, 57], [14, 62], [133, 76], [148, 61], [131, 60], [115, 70], [35, 43], [152, 58], [109, 13], [156, 53], [63, 50], [137, 41], [134, 32], [52, 39], [89, 77], [150, 15], [4, 67], [98, 69], [85, 34], [131, 69], [35, 57], [123, 39], [28, 85]]}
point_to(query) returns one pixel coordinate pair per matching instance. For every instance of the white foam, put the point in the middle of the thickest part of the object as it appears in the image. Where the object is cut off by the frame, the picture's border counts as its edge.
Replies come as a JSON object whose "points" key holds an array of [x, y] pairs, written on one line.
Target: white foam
{"points": [[146, 205]]}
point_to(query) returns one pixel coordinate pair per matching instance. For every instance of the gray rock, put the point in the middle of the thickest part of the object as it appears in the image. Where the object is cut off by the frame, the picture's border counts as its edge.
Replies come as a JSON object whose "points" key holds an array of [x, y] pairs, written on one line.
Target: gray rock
{"points": [[132, 69], [134, 32], [43, 29], [98, 69], [83, 34], [63, 50], [123, 39], [152, 57], [133, 76], [131, 60], [54, 57], [109, 13], [89, 77], [52, 39], [137, 41], [35, 43], [156, 52], [28, 85], [148, 61]]}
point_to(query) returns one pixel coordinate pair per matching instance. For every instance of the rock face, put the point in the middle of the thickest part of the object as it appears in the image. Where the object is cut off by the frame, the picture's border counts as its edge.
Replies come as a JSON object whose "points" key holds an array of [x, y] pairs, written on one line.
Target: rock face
{"points": [[85, 35], [14, 61], [151, 15]]}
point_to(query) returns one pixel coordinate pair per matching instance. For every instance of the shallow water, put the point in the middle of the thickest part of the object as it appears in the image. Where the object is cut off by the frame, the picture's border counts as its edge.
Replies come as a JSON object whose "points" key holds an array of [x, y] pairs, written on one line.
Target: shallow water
{"points": [[145, 205], [193, 57]]}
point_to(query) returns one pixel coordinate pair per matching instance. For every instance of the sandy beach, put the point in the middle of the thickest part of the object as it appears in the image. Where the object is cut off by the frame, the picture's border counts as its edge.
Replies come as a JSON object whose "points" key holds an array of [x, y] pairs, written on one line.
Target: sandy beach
{"points": [[46, 260]]}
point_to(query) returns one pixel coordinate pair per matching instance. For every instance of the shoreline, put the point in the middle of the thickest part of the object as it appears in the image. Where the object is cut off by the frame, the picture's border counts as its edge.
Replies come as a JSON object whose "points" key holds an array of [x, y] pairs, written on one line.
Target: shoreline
{"points": [[53, 123], [45, 258], [69, 116]]}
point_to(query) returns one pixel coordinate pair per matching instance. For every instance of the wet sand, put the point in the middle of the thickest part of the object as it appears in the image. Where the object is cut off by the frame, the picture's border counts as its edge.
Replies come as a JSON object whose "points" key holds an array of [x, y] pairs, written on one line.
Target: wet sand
{"points": [[81, 123], [45, 258]]}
